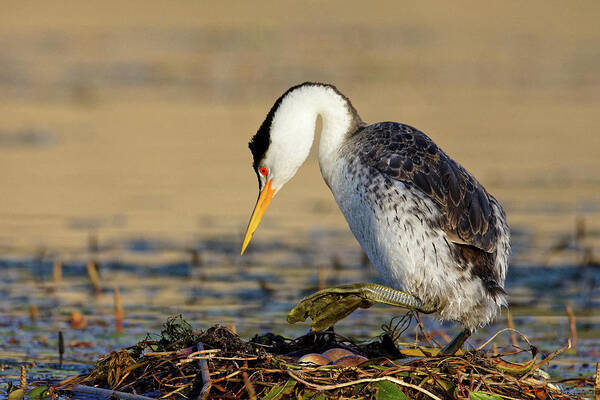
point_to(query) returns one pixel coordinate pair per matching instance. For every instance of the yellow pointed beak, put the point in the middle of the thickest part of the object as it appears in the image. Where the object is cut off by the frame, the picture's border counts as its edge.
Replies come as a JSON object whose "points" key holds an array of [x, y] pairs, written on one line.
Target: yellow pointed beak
{"points": [[259, 210]]}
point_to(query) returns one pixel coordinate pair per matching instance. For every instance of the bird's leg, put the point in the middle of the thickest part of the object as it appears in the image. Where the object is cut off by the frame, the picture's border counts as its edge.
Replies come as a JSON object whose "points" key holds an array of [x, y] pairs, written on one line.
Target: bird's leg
{"points": [[455, 344], [330, 305]]}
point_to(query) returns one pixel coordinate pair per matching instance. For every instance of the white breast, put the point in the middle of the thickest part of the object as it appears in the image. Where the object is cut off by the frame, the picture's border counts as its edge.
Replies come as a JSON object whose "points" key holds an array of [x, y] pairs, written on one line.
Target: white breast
{"points": [[396, 227]]}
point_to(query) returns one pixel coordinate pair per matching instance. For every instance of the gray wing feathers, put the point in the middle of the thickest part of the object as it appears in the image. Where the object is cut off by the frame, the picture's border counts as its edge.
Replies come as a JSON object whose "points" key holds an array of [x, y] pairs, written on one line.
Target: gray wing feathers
{"points": [[405, 154]]}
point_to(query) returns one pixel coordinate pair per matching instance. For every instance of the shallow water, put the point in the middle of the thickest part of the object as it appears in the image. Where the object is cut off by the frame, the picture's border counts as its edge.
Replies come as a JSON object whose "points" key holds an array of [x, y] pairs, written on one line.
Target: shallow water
{"points": [[253, 294]]}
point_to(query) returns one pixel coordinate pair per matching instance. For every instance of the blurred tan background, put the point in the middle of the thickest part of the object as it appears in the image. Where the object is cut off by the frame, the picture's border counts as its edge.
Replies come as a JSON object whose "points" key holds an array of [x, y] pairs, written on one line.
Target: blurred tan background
{"points": [[131, 119]]}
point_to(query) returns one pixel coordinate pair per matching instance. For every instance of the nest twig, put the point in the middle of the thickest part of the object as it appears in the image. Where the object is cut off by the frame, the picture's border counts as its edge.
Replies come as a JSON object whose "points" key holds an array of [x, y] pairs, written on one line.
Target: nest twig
{"points": [[184, 364]]}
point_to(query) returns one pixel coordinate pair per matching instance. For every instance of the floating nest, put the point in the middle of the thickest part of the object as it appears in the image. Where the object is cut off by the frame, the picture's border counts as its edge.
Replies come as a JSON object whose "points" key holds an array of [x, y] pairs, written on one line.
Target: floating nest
{"points": [[182, 363]]}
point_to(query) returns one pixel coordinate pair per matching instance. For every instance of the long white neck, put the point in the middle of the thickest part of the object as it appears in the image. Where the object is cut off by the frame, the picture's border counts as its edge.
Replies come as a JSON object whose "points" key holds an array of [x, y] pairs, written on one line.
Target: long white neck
{"points": [[293, 128]]}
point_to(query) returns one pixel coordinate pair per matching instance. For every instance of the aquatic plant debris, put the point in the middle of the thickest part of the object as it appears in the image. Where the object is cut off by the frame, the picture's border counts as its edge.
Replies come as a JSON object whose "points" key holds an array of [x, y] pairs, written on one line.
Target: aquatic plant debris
{"points": [[182, 363]]}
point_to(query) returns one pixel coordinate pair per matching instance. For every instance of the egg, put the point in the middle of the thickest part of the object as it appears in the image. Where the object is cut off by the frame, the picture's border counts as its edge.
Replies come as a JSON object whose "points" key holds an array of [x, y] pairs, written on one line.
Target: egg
{"points": [[337, 353], [314, 358], [351, 360]]}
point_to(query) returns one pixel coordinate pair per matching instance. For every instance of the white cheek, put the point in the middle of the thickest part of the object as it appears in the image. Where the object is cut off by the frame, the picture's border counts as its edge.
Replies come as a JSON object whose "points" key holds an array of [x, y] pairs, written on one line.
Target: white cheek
{"points": [[261, 180]]}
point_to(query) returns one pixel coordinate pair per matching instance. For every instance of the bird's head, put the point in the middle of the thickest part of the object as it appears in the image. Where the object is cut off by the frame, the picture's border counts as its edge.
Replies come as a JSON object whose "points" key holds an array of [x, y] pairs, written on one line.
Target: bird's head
{"points": [[280, 146]]}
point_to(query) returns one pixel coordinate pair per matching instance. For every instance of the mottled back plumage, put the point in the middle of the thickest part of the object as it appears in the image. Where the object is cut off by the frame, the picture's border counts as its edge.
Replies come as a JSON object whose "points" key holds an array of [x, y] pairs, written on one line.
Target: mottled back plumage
{"points": [[406, 154]]}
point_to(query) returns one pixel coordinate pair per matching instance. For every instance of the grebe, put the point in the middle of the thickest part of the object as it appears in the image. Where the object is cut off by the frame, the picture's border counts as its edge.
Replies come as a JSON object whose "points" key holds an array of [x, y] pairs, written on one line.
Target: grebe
{"points": [[427, 225]]}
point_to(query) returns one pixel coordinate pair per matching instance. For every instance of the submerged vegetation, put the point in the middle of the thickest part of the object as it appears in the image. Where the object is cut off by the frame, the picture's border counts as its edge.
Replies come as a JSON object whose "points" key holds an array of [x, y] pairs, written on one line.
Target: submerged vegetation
{"points": [[217, 363]]}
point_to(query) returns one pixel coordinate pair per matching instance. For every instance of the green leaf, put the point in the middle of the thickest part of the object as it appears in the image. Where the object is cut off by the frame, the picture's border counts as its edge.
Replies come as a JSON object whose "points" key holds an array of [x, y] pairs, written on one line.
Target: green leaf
{"points": [[311, 395], [305, 394], [358, 388], [38, 393], [278, 391], [483, 396], [379, 367], [16, 394], [387, 390]]}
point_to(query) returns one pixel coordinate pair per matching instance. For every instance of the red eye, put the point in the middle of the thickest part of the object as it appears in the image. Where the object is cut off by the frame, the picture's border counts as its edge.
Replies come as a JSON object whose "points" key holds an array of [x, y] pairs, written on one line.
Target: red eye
{"points": [[264, 171]]}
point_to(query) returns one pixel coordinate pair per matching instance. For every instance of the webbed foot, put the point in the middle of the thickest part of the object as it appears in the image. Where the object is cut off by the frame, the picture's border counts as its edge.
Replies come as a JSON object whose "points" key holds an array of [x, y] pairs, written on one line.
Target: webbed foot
{"points": [[330, 305]]}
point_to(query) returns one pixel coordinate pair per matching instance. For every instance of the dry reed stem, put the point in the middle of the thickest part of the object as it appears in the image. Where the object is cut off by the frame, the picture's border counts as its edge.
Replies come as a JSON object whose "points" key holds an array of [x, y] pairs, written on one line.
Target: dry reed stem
{"points": [[34, 312], [175, 391], [247, 384], [227, 377], [572, 324], [211, 357], [206, 381], [118, 311], [123, 378], [548, 359], [512, 330], [23, 377], [57, 272], [322, 276], [94, 277], [426, 334], [175, 353], [442, 335], [511, 325], [61, 348]]}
